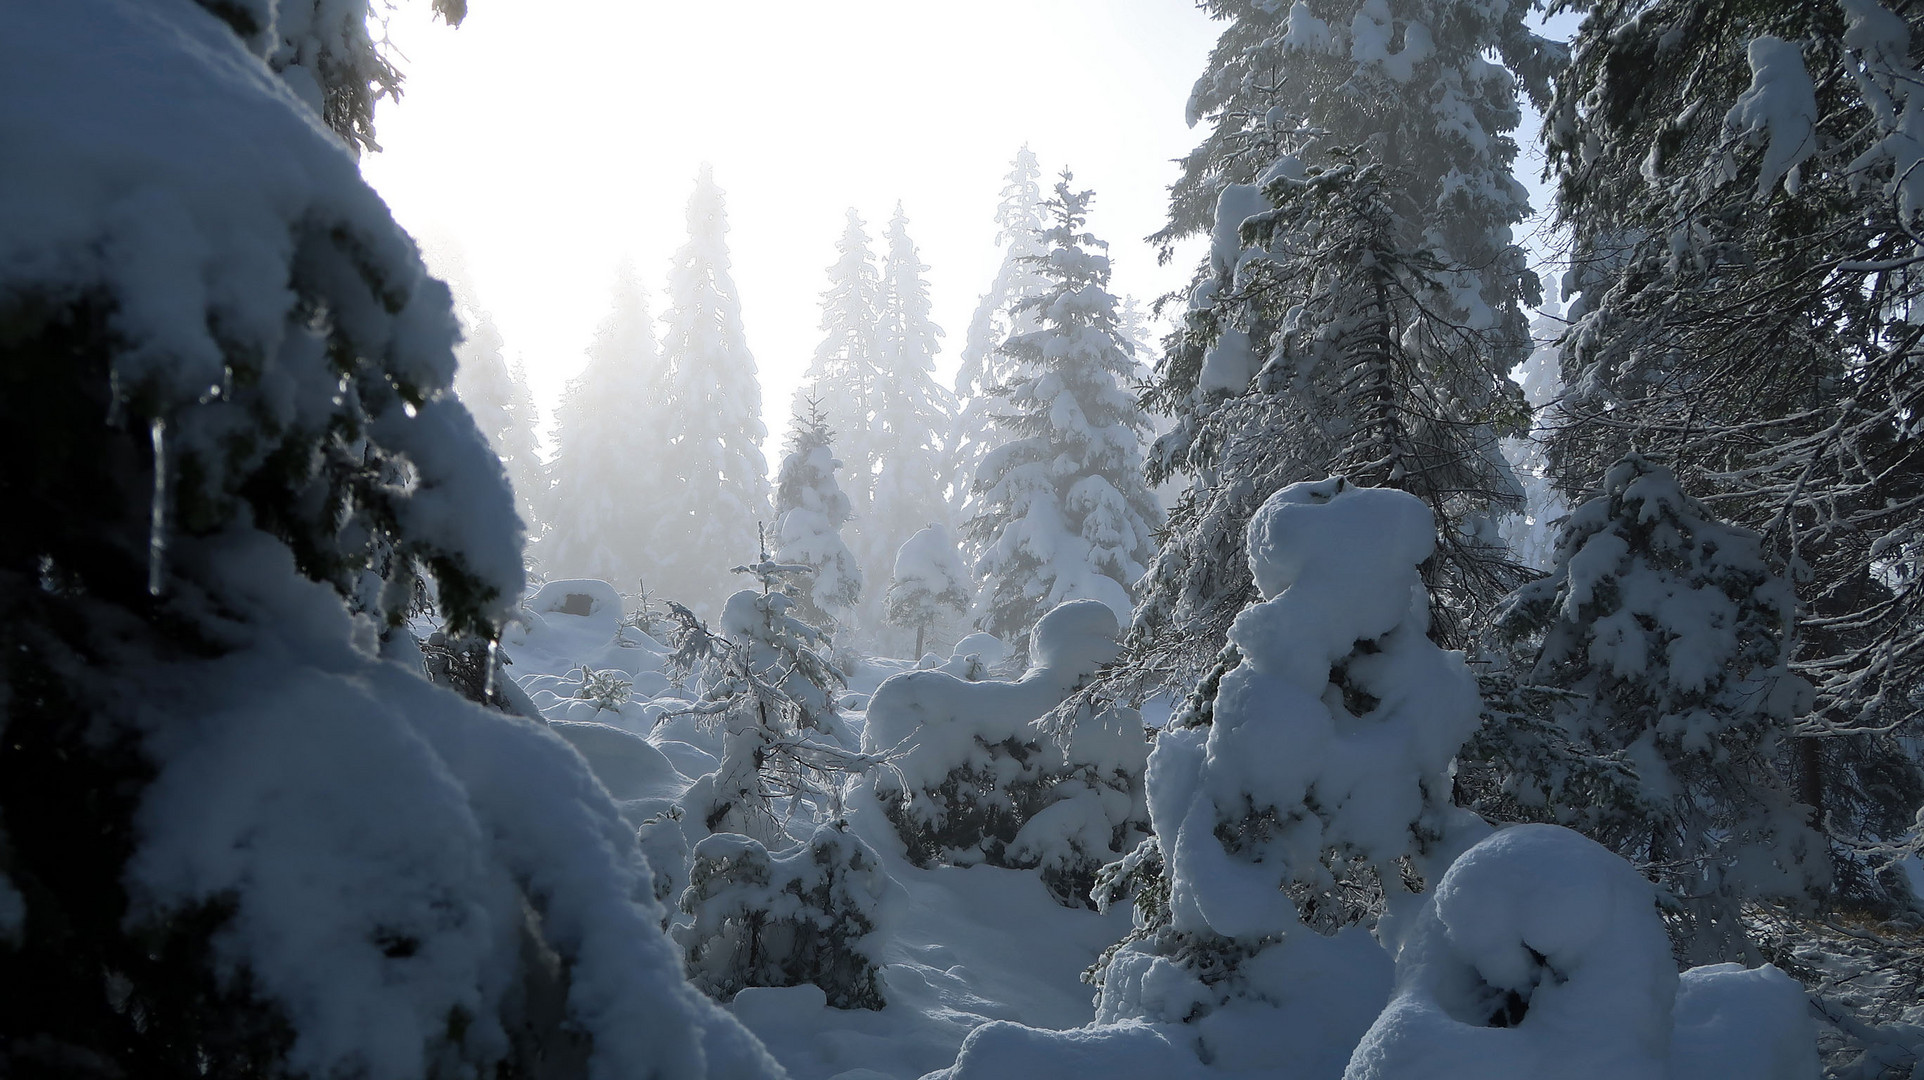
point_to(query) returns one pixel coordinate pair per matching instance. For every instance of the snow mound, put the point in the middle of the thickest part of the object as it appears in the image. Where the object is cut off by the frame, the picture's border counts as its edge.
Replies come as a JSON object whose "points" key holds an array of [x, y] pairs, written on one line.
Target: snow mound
{"points": [[381, 840], [975, 775], [1541, 953]]}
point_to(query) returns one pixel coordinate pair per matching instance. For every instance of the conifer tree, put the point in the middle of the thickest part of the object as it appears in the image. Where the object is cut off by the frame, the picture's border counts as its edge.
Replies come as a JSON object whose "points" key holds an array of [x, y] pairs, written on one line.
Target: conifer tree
{"points": [[1063, 512], [716, 480], [608, 431], [930, 588], [1362, 302], [911, 411], [234, 841], [810, 511], [1304, 792], [1740, 185], [497, 394], [1019, 226], [846, 371], [1665, 632]]}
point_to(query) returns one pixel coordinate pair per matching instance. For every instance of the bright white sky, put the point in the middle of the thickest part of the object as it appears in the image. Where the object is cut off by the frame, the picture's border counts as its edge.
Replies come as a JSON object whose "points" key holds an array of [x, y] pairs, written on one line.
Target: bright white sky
{"points": [[551, 138]]}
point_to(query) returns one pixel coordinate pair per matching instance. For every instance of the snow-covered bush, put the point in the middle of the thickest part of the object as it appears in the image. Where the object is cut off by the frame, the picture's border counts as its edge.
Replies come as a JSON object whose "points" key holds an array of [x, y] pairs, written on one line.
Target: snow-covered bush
{"points": [[976, 775], [1304, 788], [806, 915], [1539, 953], [1665, 631], [237, 840], [929, 590]]}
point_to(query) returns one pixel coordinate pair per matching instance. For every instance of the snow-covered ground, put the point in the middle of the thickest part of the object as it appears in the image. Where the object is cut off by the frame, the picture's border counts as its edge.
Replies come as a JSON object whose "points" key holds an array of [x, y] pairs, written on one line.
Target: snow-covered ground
{"points": [[963, 945]]}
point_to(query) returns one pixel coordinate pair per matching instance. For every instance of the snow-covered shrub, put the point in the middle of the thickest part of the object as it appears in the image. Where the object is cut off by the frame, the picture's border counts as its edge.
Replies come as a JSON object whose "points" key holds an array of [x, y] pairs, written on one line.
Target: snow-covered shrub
{"points": [[806, 915], [1540, 953], [976, 776], [241, 841], [607, 689], [1304, 788], [1665, 632]]}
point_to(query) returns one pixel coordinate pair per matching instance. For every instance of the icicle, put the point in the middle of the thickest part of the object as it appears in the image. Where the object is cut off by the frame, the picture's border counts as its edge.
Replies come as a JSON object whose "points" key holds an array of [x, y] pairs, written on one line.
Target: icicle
{"points": [[157, 523], [487, 681], [115, 399]]}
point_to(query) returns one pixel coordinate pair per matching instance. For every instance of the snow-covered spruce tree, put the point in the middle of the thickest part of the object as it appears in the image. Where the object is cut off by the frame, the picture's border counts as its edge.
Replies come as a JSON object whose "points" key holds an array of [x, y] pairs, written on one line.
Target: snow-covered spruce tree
{"points": [[998, 317], [911, 412], [1061, 508], [495, 392], [804, 915], [1667, 630], [1740, 184], [810, 511], [929, 590], [767, 910], [767, 679], [716, 480], [604, 483], [978, 771], [1300, 795], [1362, 303], [237, 842], [845, 371]]}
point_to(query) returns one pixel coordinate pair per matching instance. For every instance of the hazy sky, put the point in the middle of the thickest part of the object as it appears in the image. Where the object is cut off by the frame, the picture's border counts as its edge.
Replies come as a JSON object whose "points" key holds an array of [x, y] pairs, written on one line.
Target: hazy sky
{"points": [[552, 138]]}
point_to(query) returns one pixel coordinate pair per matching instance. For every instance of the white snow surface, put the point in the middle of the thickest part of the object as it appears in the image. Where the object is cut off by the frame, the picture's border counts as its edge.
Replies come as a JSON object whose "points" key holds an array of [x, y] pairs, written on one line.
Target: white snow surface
{"points": [[980, 967], [1778, 110], [1562, 938], [378, 834]]}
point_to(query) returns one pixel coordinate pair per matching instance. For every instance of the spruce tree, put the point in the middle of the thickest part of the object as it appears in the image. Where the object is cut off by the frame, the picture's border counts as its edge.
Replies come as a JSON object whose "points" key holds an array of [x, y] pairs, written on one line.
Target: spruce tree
{"points": [[1664, 633], [911, 410], [607, 433], [930, 588], [1019, 226], [810, 511], [1740, 186], [846, 371], [715, 478], [1062, 510], [1362, 303], [239, 837], [1302, 793]]}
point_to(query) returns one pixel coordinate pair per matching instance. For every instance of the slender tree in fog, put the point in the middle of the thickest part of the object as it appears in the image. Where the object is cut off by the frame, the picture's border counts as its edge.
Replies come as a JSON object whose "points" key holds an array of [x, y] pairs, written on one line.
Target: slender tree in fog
{"points": [[608, 435], [715, 479]]}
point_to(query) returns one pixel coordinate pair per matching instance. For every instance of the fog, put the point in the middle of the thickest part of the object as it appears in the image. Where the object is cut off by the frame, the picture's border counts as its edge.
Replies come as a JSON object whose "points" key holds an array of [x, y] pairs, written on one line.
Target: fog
{"points": [[551, 140]]}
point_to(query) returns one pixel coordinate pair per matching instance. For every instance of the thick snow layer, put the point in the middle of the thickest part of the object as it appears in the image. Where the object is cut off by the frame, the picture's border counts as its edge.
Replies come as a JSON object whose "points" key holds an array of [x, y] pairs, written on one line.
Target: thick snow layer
{"points": [[1540, 953], [1336, 565], [1734, 1023], [378, 835], [152, 162], [932, 719], [1778, 110]]}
